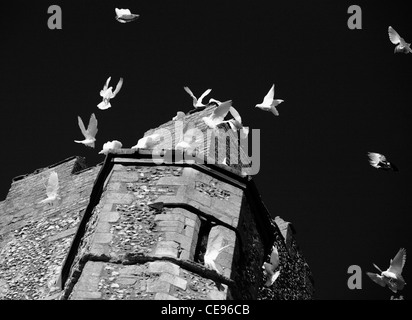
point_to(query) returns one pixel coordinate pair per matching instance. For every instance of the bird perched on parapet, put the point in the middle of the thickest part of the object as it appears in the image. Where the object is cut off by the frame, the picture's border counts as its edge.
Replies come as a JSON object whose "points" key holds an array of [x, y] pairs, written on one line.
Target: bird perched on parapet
{"points": [[269, 103], [379, 161], [218, 115], [90, 133], [392, 277], [179, 116], [124, 15], [148, 142], [110, 145], [271, 267], [51, 190], [190, 138], [106, 93], [395, 38], [197, 103], [211, 255]]}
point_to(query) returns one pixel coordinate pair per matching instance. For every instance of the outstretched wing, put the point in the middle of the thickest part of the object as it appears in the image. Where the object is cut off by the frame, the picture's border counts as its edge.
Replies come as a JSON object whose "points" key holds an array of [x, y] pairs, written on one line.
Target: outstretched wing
{"points": [[53, 185], [190, 92], [274, 257], [221, 111], [204, 94], [269, 96], [376, 278], [235, 115], [82, 128], [398, 262], [393, 36], [118, 87], [92, 127], [106, 85], [375, 158]]}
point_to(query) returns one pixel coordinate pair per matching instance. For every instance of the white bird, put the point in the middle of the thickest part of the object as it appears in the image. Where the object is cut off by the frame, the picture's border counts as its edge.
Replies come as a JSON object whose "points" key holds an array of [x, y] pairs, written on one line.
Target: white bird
{"points": [[214, 101], [269, 103], [197, 103], [179, 116], [190, 138], [110, 145], [90, 133], [271, 267], [395, 38], [236, 123], [51, 190], [379, 161], [211, 255], [148, 142], [106, 93], [392, 277], [124, 15], [218, 115]]}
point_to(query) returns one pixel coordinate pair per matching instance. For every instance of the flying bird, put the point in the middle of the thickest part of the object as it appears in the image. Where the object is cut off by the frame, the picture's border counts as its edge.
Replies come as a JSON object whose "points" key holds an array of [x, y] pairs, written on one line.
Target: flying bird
{"points": [[379, 161], [51, 190], [124, 15], [395, 38], [148, 142], [110, 145], [197, 103], [211, 255], [236, 123], [271, 267], [218, 115], [90, 133], [392, 277], [106, 93], [269, 103]]}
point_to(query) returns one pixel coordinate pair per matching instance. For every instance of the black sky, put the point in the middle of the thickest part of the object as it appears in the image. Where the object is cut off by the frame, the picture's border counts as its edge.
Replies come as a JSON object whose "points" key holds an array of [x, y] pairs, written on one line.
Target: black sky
{"points": [[345, 91]]}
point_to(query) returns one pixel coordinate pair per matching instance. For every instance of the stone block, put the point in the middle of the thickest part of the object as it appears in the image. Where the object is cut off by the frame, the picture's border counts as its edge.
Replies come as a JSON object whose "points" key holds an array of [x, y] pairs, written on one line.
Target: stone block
{"points": [[103, 238], [164, 296], [174, 280], [157, 286], [93, 268], [163, 266]]}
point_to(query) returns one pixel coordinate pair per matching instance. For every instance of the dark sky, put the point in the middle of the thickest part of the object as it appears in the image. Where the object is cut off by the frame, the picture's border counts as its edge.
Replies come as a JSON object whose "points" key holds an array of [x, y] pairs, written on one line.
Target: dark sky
{"points": [[345, 91]]}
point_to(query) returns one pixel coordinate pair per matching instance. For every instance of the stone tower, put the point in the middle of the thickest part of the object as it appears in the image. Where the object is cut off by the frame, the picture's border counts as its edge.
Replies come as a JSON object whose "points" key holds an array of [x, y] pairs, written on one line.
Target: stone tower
{"points": [[136, 228]]}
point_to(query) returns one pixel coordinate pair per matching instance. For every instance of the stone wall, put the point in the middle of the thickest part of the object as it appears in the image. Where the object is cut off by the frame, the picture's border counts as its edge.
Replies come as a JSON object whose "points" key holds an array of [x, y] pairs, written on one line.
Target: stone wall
{"points": [[34, 238]]}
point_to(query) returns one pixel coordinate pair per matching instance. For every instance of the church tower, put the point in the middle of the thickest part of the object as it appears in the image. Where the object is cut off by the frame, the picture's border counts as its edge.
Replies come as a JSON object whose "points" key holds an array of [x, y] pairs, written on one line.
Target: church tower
{"points": [[143, 221]]}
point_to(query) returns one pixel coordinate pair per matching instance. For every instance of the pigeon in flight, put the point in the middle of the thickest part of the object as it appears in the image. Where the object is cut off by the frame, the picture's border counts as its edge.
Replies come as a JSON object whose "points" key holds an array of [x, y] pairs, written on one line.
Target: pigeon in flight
{"points": [[211, 255], [379, 161], [51, 190], [402, 45], [106, 93], [236, 123], [197, 103], [124, 15], [269, 104], [90, 133], [271, 267], [393, 276], [110, 145], [148, 142], [218, 115]]}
